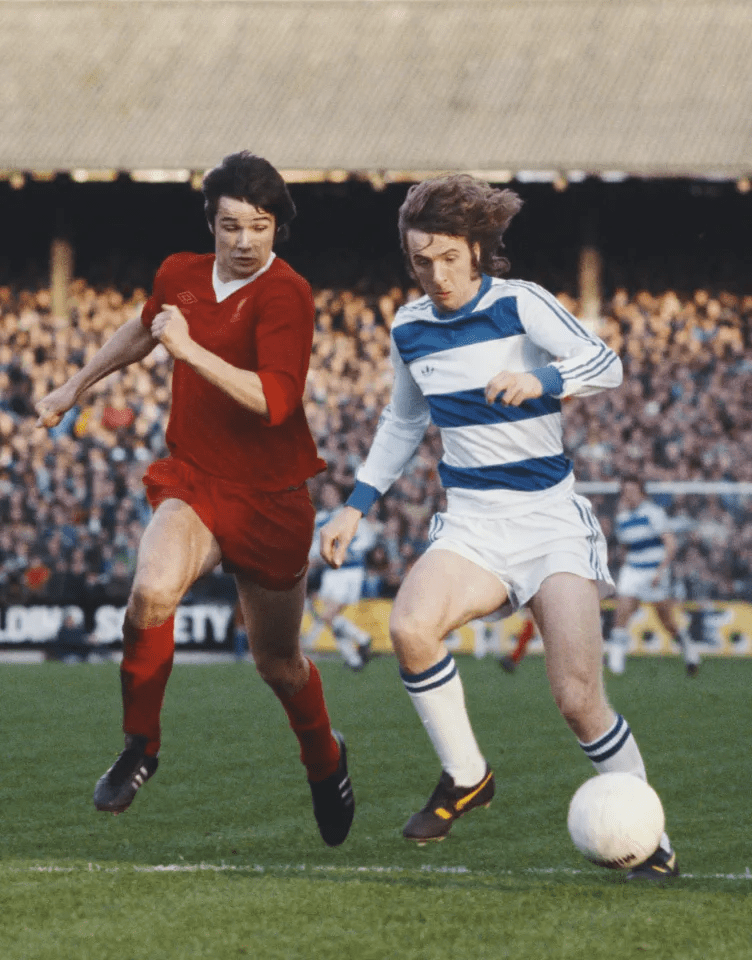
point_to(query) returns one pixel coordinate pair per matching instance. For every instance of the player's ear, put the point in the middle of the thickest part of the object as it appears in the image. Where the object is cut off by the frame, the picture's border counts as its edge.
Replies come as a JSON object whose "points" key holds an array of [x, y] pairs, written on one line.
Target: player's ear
{"points": [[210, 215]]}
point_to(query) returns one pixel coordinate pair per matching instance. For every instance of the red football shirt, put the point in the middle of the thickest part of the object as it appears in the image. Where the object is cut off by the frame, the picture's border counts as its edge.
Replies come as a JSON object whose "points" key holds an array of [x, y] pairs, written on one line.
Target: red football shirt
{"points": [[265, 326]]}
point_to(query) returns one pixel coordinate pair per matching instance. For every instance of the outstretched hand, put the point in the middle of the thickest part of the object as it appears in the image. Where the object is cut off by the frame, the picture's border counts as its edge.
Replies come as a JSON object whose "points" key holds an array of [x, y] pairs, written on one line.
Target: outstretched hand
{"points": [[512, 389], [52, 408]]}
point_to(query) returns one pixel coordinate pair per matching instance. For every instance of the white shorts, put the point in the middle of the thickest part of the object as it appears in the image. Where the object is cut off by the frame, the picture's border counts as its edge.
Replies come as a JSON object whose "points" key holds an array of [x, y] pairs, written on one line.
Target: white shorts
{"points": [[564, 536], [638, 582], [342, 586]]}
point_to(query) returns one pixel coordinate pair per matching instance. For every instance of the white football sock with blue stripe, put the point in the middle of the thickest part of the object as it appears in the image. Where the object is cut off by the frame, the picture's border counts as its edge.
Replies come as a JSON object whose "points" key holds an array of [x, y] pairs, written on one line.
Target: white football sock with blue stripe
{"points": [[617, 752], [439, 699]]}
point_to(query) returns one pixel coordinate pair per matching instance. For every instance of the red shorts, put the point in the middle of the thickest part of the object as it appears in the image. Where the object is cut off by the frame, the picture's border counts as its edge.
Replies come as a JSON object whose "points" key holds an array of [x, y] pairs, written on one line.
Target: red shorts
{"points": [[262, 533]]}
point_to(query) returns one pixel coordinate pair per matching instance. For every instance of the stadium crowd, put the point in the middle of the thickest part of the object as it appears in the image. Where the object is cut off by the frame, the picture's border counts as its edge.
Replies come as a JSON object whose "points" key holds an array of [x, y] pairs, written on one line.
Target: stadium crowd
{"points": [[72, 506]]}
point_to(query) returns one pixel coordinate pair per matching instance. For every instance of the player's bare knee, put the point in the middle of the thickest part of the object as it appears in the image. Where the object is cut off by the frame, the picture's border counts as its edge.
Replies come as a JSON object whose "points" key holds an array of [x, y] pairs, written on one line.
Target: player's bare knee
{"points": [[407, 630], [285, 675], [148, 606], [416, 642]]}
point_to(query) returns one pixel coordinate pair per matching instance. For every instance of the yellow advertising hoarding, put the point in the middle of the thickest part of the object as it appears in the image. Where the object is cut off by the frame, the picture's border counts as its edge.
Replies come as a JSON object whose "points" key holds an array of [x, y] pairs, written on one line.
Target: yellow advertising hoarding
{"points": [[722, 629]]}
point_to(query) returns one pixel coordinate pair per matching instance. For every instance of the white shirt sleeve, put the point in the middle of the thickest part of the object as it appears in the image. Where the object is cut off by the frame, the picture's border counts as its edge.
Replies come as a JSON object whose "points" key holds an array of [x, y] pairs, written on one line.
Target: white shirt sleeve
{"points": [[401, 427], [584, 362]]}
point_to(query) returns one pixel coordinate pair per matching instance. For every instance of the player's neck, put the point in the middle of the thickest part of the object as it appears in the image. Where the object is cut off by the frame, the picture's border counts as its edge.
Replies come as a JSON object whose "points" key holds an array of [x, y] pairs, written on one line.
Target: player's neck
{"points": [[224, 288]]}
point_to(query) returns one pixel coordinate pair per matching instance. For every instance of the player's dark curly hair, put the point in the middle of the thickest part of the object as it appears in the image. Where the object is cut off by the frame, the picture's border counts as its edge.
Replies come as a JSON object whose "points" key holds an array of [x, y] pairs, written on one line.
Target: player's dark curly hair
{"points": [[459, 205], [634, 478], [244, 176]]}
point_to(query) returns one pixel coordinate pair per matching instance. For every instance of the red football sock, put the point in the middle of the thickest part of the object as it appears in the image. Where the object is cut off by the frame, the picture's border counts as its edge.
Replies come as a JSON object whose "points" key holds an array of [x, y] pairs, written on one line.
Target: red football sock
{"points": [[144, 671], [528, 632], [307, 713]]}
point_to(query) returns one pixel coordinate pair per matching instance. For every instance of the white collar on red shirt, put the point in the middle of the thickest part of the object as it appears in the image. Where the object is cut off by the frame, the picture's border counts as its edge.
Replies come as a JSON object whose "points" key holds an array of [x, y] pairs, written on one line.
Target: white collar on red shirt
{"points": [[223, 290]]}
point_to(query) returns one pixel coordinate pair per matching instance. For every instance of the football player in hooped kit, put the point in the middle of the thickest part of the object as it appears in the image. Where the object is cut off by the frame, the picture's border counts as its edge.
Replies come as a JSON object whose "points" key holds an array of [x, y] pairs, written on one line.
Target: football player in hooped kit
{"points": [[488, 361]]}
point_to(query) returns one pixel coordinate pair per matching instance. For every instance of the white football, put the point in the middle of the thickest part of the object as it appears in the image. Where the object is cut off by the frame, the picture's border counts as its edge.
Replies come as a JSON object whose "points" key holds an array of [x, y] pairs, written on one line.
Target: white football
{"points": [[616, 820]]}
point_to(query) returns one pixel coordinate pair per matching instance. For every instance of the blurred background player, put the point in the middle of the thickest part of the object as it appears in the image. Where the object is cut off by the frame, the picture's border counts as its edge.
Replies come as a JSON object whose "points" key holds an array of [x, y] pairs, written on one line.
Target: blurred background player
{"points": [[510, 662], [334, 590], [489, 361], [641, 527], [239, 325]]}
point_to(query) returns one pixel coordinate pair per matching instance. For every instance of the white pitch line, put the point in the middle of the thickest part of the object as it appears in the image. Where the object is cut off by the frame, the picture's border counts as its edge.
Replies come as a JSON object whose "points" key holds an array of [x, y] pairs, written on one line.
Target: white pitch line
{"points": [[333, 868]]}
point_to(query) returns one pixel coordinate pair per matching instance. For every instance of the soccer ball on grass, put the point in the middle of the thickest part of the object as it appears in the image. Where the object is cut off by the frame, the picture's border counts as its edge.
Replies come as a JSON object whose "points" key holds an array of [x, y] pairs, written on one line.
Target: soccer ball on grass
{"points": [[616, 820]]}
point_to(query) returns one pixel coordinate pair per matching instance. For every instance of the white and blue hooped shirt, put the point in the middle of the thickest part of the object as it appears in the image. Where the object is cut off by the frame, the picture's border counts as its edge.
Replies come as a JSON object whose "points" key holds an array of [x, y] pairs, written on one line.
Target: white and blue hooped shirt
{"points": [[494, 455], [641, 531]]}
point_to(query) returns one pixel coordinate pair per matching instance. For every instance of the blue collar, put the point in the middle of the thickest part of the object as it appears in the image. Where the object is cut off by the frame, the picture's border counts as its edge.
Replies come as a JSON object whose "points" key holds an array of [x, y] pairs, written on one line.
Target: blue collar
{"points": [[485, 286]]}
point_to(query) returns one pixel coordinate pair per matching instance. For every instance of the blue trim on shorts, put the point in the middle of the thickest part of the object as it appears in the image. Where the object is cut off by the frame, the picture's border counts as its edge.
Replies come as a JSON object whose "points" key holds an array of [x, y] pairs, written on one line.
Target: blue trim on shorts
{"points": [[586, 515]]}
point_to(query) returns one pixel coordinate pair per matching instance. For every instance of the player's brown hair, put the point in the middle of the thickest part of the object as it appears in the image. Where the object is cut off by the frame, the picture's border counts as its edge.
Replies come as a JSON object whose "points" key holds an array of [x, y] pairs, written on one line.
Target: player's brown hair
{"points": [[634, 478], [244, 176], [459, 205]]}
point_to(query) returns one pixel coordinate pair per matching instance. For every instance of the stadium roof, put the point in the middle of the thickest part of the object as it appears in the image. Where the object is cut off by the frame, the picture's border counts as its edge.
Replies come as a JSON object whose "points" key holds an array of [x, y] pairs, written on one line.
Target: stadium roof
{"points": [[391, 88]]}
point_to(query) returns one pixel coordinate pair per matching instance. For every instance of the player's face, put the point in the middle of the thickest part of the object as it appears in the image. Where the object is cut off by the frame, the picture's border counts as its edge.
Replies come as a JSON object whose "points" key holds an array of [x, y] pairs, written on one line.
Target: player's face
{"points": [[444, 268], [243, 238], [631, 495]]}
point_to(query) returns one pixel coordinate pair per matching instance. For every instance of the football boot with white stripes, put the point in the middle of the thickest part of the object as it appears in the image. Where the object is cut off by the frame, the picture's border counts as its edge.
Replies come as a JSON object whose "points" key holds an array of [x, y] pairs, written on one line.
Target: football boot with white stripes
{"points": [[334, 801], [446, 804], [116, 788]]}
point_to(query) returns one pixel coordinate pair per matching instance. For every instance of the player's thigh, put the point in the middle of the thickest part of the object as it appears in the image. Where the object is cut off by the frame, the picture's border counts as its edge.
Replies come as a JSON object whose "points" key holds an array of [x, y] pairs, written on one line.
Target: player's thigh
{"points": [[272, 618], [442, 591], [567, 611], [175, 550]]}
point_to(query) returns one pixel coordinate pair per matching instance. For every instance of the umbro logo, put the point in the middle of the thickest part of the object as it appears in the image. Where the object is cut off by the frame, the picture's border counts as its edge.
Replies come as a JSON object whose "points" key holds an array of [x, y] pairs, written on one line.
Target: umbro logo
{"points": [[186, 298]]}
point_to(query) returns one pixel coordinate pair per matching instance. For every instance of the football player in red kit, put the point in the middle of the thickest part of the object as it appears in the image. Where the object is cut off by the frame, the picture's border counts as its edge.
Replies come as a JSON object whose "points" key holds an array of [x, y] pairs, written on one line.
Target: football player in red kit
{"points": [[239, 324]]}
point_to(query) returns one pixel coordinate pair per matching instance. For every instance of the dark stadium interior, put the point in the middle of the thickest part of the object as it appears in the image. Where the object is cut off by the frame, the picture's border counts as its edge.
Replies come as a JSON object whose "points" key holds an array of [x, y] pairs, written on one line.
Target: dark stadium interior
{"points": [[653, 234]]}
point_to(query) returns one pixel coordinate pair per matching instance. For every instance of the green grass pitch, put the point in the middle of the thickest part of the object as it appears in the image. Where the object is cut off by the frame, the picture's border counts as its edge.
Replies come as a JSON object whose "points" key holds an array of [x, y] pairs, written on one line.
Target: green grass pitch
{"points": [[219, 856]]}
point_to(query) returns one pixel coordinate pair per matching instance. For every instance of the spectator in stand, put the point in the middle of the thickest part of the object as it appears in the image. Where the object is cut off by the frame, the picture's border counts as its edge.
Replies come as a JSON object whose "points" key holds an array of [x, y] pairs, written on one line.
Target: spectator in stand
{"points": [[73, 643], [375, 583], [35, 579]]}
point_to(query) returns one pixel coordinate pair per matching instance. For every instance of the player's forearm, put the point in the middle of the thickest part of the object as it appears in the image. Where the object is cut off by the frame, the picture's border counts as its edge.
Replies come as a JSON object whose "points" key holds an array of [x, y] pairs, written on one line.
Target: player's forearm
{"points": [[244, 386], [131, 343], [393, 447], [584, 364], [590, 371], [402, 426]]}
